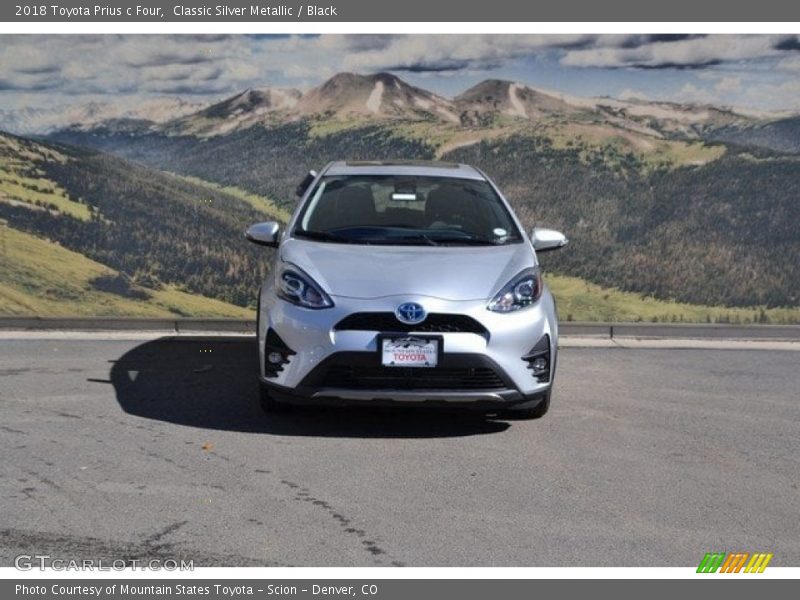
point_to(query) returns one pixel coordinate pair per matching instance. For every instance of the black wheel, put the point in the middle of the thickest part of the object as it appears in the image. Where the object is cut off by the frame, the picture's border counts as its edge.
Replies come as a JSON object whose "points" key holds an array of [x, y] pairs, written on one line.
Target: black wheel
{"points": [[526, 411], [268, 404]]}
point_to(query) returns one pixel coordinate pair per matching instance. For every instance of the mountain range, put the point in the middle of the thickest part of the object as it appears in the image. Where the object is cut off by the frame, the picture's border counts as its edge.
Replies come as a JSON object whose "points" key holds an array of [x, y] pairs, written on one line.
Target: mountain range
{"points": [[33, 121], [384, 96]]}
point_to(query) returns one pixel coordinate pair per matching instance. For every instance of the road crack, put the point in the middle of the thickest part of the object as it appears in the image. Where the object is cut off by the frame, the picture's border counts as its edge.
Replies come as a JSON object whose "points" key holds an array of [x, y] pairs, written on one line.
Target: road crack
{"points": [[367, 543]]}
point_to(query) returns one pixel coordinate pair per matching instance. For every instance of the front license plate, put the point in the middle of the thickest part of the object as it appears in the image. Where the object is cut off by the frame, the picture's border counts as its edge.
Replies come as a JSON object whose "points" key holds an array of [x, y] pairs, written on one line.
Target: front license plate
{"points": [[409, 351]]}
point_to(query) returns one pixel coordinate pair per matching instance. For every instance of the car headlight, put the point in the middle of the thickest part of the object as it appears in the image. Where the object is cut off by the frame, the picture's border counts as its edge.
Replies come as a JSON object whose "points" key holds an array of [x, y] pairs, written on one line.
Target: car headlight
{"points": [[294, 286], [523, 290]]}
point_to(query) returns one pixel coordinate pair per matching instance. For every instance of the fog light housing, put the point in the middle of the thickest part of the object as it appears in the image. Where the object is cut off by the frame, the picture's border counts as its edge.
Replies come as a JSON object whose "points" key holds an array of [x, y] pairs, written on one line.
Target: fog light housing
{"points": [[538, 359], [276, 354]]}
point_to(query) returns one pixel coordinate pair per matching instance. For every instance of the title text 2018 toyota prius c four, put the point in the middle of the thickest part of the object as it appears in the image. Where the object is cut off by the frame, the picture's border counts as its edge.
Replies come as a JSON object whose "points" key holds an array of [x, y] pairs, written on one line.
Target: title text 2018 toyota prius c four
{"points": [[406, 282]]}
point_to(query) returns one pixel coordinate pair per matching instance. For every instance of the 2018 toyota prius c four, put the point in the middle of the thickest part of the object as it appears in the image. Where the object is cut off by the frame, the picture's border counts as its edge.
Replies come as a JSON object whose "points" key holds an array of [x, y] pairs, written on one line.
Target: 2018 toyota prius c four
{"points": [[406, 282]]}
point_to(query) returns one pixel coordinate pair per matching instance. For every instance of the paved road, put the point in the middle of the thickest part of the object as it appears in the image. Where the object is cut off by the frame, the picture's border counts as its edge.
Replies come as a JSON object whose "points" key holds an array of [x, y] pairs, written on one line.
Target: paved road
{"points": [[131, 449]]}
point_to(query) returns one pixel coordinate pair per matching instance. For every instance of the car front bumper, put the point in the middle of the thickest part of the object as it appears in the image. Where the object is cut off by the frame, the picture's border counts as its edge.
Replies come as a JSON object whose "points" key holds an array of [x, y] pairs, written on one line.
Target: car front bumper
{"points": [[492, 361]]}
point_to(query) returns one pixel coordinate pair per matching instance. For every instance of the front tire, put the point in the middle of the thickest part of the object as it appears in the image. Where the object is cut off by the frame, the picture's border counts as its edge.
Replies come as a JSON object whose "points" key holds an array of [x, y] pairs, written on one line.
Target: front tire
{"points": [[269, 404], [526, 411]]}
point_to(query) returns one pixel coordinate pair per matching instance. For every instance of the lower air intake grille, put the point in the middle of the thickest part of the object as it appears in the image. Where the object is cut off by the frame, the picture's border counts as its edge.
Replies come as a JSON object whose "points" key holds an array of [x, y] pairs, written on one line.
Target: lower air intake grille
{"points": [[434, 323], [405, 378]]}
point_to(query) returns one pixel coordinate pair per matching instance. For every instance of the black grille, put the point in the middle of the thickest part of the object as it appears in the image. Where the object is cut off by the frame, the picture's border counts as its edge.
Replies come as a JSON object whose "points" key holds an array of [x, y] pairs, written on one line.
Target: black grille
{"points": [[274, 343], [407, 378], [434, 323], [540, 350]]}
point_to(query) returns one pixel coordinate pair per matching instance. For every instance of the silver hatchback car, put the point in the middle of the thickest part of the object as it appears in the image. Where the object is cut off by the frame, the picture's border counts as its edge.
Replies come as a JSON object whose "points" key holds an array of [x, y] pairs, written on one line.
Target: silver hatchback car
{"points": [[406, 282]]}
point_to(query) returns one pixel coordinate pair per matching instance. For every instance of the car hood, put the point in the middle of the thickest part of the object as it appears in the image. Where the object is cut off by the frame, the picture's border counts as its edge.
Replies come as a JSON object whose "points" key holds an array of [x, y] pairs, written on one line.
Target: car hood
{"points": [[447, 272]]}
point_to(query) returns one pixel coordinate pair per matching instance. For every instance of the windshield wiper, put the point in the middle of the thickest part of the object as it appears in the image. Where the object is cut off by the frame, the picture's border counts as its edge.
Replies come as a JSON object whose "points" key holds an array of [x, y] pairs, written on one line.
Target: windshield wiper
{"points": [[420, 237], [467, 241], [326, 236], [431, 240]]}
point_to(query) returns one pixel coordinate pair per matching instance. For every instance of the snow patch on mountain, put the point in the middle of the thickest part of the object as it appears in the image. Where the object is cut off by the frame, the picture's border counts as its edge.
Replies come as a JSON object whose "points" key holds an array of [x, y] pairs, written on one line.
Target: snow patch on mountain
{"points": [[374, 100]]}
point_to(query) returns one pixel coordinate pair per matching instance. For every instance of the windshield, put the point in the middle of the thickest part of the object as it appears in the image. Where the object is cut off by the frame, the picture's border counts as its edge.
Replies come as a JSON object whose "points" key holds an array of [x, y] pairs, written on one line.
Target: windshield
{"points": [[402, 210]]}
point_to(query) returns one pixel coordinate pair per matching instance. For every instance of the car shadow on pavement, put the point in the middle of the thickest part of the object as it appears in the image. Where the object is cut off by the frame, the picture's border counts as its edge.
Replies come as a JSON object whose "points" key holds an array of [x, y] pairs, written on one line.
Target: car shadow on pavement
{"points": [[211, 382]]}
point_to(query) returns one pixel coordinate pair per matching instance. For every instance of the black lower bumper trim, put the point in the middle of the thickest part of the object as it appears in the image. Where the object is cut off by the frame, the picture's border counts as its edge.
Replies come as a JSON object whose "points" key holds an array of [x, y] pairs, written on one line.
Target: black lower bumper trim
{"points": [[488, 401], [357, 378], [363, 371]]}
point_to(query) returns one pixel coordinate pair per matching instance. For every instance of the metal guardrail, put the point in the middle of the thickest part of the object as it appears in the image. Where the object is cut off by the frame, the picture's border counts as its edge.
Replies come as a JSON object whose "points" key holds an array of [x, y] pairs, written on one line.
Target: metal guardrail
{"points": [[127, 324], [568, 328], [682, 331]]}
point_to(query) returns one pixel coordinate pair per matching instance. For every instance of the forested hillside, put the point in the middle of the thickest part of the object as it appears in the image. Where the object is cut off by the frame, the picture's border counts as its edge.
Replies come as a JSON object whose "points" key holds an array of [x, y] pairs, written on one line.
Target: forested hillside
{"points": [[721, 233], [689, 222], [152, 228], [782, 135], [41, 277], [266, 161]]}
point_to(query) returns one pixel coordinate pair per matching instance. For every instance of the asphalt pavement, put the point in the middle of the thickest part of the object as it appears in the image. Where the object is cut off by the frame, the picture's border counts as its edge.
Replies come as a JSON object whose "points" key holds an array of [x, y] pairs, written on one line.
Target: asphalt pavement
{"points": [[144, 448]]}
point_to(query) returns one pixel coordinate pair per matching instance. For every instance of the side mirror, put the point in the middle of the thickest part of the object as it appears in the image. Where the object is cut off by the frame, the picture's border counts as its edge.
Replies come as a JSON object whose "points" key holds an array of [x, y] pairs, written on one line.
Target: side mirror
{"points": [[264, 234], [547, 239], [302, 188]]}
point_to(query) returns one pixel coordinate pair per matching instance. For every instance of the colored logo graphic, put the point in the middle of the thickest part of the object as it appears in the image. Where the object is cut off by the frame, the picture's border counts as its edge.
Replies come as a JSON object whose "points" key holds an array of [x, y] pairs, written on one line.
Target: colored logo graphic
{"points": [[410, 313], [734, 562]]}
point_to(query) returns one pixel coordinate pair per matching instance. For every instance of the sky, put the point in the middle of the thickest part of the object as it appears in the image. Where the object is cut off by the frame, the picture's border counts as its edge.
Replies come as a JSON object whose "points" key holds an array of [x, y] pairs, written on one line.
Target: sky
{"points": [[757, 72]]}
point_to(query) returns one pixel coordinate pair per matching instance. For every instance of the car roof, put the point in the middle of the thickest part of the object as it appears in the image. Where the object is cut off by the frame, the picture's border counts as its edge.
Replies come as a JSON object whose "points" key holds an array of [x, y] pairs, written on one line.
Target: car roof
{"points": [[420, 168]]}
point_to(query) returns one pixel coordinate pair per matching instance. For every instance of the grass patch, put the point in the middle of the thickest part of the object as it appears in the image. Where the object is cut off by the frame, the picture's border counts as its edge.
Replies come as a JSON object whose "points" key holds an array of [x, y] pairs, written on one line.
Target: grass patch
{"points": [[324, 127], [260, 203], [673, 154], [579, 300], [611, 143], [23, 184], [39, 277]]}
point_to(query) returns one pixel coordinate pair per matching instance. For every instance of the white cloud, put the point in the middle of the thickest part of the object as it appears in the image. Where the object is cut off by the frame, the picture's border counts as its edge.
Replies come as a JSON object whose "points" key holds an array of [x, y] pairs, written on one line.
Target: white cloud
{"points": [[690, 93], [785, 95], [690, 52], [791, 63], [728, 85], [449, 52]]}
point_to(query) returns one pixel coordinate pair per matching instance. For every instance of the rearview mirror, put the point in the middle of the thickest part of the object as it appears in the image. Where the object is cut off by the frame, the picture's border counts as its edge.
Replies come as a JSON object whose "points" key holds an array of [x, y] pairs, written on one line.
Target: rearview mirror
{"points": [[547, 239], [264, 234], [302, 188]]}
